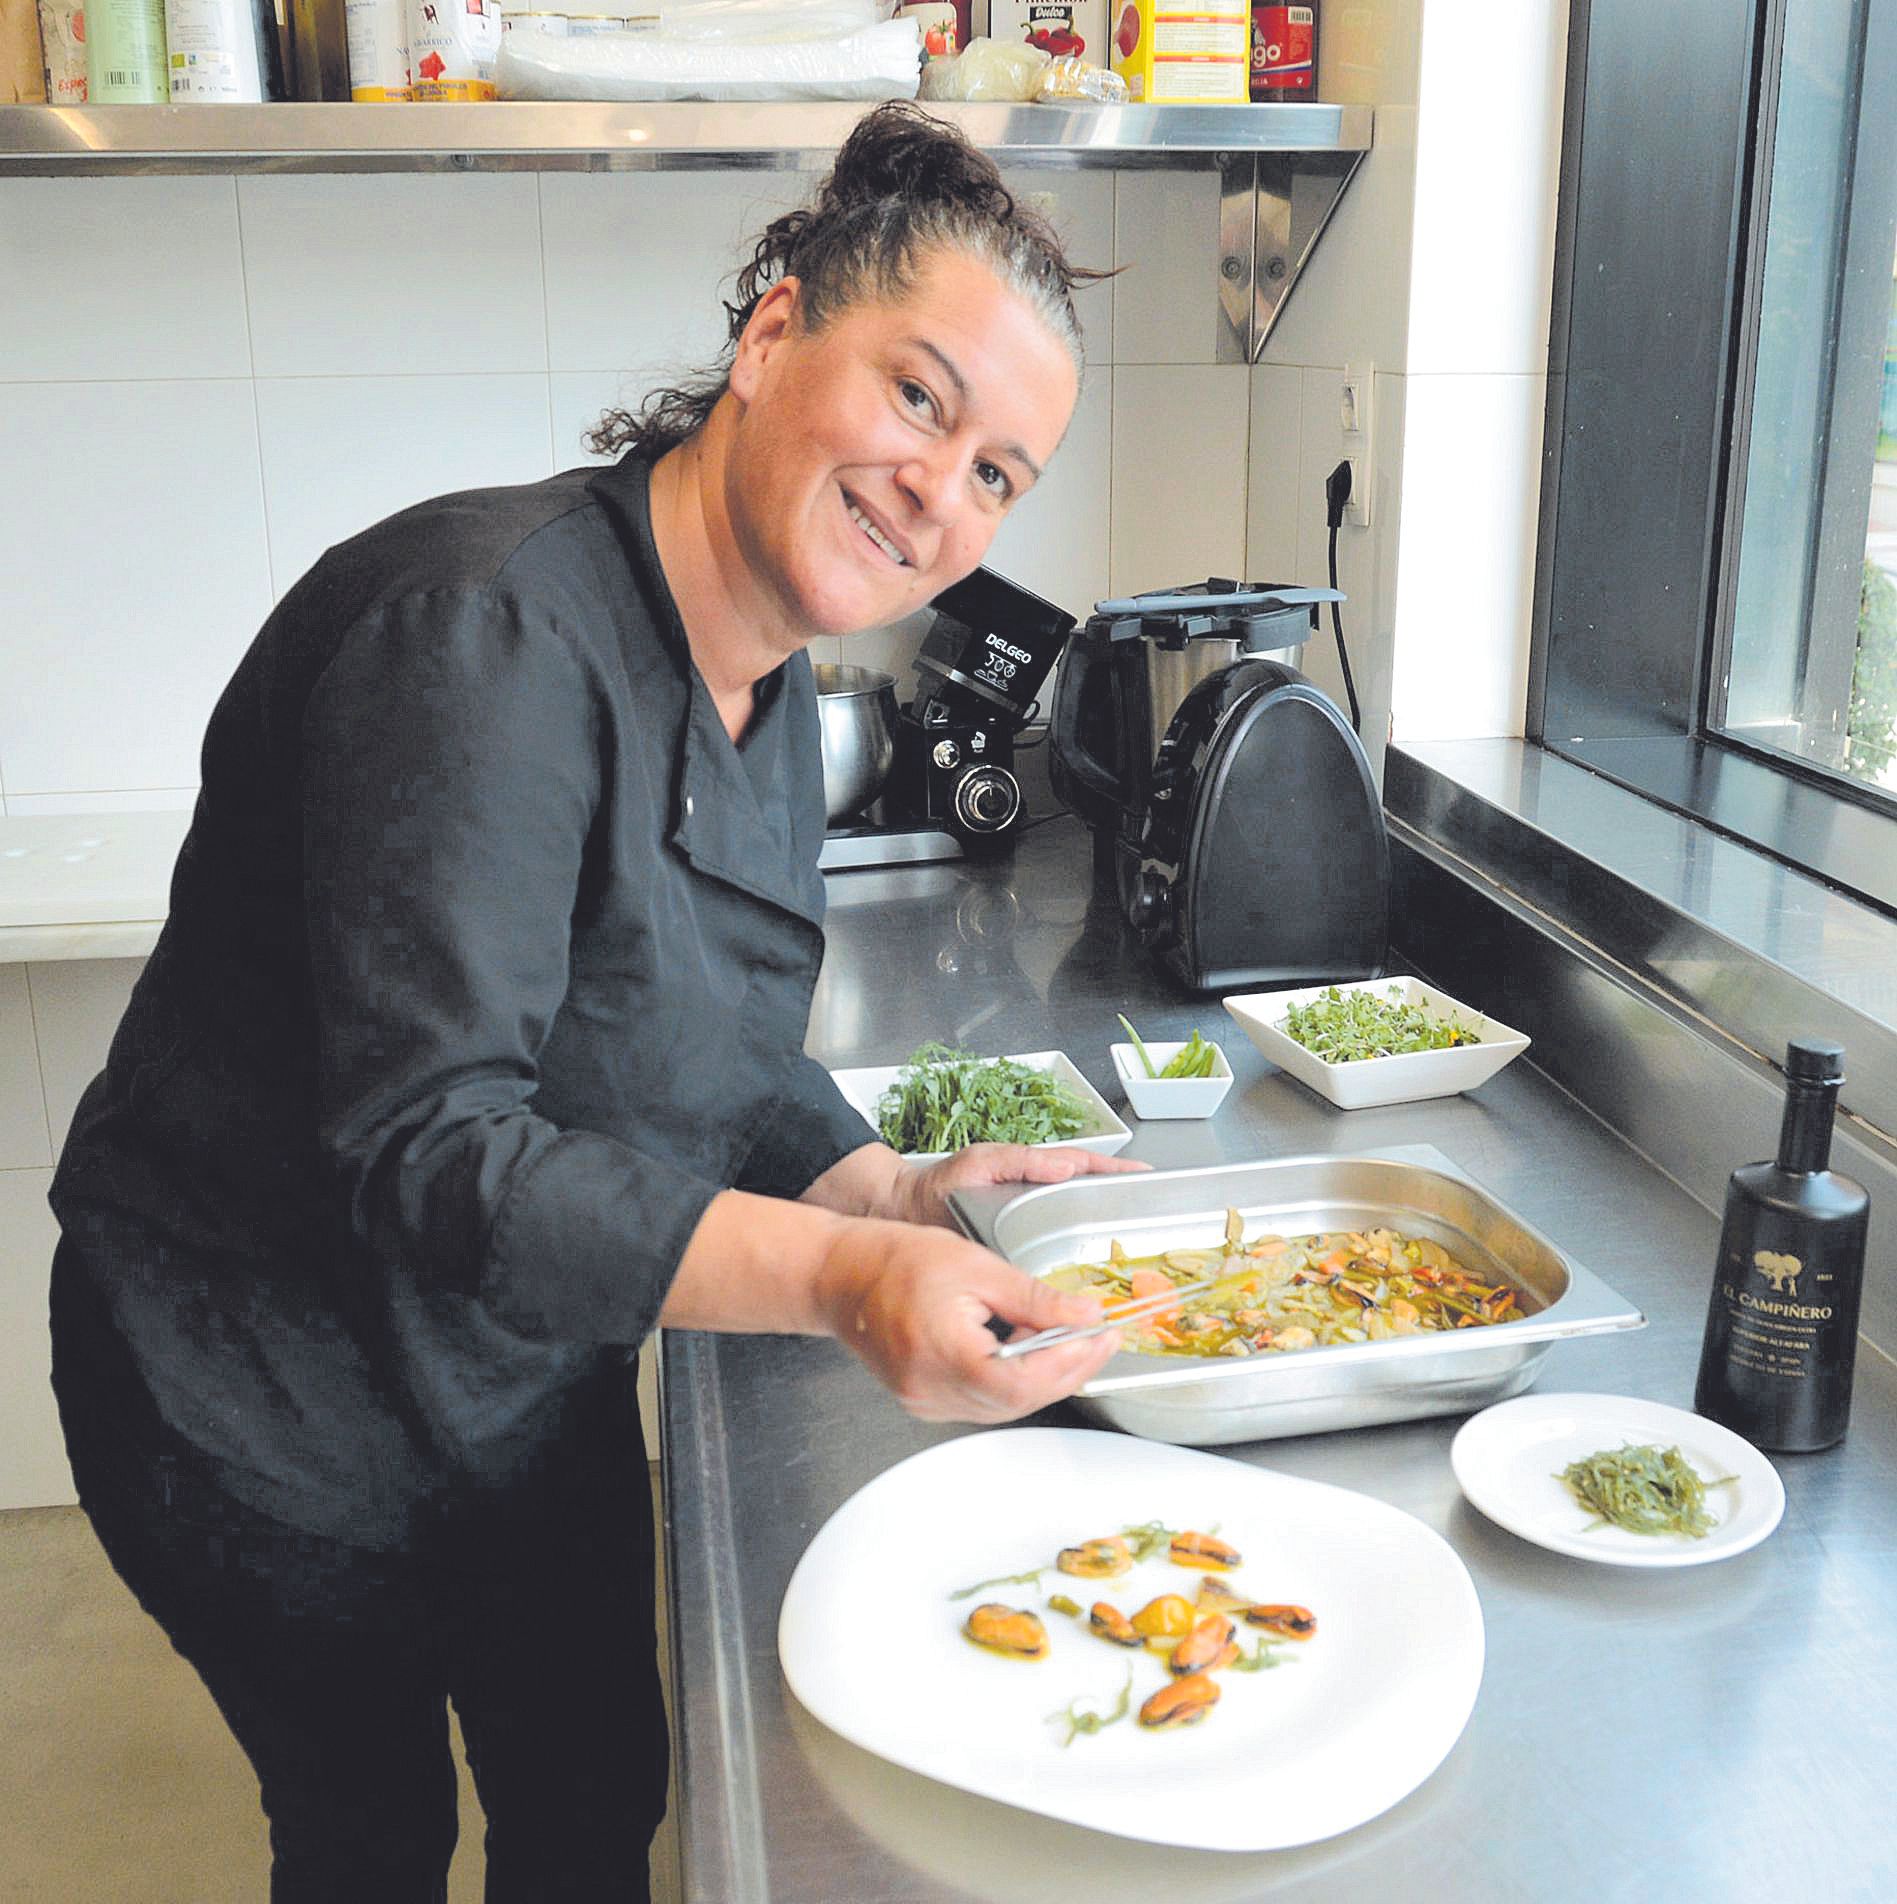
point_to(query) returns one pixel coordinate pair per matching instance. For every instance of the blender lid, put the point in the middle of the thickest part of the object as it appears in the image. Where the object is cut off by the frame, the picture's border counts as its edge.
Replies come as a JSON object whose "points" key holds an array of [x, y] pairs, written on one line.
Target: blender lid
{"points": [[1255, 614], [1195, 598]]}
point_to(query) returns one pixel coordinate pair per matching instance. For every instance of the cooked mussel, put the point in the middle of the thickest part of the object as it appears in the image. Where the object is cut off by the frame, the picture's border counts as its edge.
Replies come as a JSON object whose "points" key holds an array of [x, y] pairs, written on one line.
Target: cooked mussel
{"points": [[1287, 1622], [1216, 1597], [1111, 1624], [1180, 1702], [1102, 1559], [1204, 1550], [1010, 1631], [1205, 1649]]}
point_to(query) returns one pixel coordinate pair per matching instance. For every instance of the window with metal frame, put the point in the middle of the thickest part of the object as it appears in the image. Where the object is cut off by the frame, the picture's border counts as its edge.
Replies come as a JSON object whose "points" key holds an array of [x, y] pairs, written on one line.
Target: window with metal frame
{"points": [[1717, 578]]}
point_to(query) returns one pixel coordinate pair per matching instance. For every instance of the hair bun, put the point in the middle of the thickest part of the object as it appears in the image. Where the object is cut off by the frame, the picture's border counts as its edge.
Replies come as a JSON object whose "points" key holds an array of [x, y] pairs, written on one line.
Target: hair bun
{"points": [[899, 151]]}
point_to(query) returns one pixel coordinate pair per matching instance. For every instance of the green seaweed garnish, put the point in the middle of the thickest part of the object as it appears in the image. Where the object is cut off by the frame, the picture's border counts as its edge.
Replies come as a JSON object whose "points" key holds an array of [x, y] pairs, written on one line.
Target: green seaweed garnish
{"points": [[1267, 1656], [1078, 1721], [1148, 1539], [1032, 1579], [1646, 1490]]}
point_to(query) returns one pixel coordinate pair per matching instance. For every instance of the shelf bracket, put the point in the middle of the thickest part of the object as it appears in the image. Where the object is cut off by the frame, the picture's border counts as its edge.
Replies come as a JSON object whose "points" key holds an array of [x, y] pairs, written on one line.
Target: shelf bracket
{"points": [[1273, 208]]}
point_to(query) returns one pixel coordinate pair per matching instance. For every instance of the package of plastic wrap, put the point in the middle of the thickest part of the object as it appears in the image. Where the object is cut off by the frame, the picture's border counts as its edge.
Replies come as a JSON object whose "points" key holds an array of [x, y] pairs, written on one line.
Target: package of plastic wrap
{"points": [[879, 62]]}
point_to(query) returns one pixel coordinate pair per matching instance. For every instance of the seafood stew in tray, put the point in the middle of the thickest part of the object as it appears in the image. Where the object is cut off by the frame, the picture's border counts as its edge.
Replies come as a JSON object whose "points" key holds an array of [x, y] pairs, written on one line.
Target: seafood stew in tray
{"points": [[1273, 1294], [1362, 1289]]}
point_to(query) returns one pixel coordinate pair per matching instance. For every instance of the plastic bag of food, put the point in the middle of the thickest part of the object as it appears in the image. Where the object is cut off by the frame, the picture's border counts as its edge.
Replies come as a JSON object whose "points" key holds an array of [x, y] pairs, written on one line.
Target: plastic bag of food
{"points": [[987, 69], [1069, 77], [769, 22], [880, 62]]}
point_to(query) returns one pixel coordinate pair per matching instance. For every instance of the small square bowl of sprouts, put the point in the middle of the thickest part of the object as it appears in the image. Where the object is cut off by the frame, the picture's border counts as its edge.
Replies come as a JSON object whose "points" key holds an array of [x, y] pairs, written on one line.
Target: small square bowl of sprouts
{"points": [[1377, 1041]]}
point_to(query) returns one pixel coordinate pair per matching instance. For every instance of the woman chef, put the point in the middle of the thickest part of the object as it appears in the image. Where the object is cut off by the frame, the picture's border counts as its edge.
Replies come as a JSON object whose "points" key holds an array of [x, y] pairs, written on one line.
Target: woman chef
{"points": [[472, 1050]]}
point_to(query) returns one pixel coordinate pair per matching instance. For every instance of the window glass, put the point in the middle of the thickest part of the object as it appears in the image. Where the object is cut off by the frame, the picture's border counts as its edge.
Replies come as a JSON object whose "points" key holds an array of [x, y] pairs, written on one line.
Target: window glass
{"points": [[1872, 747], [1813, 656]]}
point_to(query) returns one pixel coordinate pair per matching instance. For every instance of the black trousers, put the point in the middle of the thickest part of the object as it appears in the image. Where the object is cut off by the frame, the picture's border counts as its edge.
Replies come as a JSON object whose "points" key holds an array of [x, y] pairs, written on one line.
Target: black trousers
{"points": [[334, 1667]]}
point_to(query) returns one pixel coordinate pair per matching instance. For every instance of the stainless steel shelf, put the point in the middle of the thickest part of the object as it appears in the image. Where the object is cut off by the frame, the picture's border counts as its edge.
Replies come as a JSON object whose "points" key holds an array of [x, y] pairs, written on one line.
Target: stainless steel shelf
{"points": [[61, 141]]}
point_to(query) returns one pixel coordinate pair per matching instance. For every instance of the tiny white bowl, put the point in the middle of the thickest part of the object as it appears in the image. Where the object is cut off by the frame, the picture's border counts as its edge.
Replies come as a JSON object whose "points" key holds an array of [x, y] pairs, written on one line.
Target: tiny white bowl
{"points": [[1170, 1097], [1103, 1131], [1402, 1079]]}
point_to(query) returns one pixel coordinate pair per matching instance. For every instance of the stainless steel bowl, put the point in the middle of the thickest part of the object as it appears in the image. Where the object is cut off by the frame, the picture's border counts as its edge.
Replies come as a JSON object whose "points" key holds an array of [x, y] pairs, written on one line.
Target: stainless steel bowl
{"points": [[856, 714], [1209, 1401]]}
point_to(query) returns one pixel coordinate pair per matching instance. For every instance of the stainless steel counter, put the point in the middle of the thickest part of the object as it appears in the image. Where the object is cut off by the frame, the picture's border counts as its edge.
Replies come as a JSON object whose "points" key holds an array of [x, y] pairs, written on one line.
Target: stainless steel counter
{"points": [[1719, 1733]]}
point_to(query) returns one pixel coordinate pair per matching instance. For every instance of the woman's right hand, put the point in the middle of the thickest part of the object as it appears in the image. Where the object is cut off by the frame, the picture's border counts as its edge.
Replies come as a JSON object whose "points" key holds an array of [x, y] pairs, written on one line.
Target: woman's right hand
{"points": [[914, 1302]]}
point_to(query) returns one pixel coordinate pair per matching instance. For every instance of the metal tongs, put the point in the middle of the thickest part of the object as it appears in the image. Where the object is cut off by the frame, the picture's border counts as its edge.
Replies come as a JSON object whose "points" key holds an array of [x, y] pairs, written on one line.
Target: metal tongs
{"points": [[1155, 1304]]}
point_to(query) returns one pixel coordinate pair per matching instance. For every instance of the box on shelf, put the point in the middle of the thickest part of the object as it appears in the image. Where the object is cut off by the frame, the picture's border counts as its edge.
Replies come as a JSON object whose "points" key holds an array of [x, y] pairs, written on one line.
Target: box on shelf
{"points": [[1184, 52], [1055, 26]]}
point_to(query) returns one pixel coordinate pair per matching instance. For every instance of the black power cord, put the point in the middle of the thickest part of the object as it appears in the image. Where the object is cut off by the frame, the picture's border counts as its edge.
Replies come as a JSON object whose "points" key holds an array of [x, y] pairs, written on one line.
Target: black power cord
{"points": [[1336, 495]]}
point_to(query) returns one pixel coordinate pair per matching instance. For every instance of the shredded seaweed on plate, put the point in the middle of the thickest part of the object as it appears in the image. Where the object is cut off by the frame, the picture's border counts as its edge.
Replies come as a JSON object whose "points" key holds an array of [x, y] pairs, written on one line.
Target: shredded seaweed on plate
{"points": [[1646, 1490], [1078, 1721], [1030, 1579], [1269, 1653], [1148, 1538]]}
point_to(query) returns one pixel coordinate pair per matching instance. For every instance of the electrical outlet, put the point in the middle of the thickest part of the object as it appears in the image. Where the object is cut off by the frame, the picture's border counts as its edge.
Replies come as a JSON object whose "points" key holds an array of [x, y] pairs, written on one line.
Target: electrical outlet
{"points": [[1357, 509], [1355, 402]]}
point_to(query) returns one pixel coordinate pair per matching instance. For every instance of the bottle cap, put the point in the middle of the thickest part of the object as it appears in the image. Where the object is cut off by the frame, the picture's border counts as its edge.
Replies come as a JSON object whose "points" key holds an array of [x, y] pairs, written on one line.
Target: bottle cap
{"points": [[1814, 1061]]}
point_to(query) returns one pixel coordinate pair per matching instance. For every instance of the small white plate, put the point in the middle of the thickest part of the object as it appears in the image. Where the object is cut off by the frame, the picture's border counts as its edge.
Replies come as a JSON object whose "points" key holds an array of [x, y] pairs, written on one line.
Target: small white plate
{"points": [[1102, 1132], [1508, 1459], [1401, 1079], [1170, 1097], [1352, 1721]]}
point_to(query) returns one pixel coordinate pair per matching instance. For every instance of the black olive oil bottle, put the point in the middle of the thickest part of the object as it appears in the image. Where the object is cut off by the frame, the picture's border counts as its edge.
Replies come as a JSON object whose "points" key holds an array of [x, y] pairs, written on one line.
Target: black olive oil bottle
{"points": [[1781, 1330]]}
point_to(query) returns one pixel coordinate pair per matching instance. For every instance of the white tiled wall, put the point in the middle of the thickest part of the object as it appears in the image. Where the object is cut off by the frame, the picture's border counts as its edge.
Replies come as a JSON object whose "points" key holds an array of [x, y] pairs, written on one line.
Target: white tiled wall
{"points": [[1480, 286], [1435, 275], [205, 382]]}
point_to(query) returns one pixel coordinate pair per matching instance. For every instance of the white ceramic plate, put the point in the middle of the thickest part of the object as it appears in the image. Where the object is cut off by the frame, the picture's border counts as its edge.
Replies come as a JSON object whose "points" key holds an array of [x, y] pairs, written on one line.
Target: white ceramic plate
{"points": [[1370, 1081], [1507, 1458], [1103, 1131], [1357, 1718]]}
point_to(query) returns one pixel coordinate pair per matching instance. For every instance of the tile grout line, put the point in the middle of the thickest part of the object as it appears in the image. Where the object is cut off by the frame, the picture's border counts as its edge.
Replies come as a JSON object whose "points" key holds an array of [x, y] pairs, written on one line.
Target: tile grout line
{"points": [[546, 317], [39, 1064], [256, 416]]}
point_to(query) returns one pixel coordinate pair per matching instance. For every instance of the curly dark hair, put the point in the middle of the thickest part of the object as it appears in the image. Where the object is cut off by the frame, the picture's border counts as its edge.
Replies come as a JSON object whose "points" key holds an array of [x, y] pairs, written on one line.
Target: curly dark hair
{"points": [[904, 185]]}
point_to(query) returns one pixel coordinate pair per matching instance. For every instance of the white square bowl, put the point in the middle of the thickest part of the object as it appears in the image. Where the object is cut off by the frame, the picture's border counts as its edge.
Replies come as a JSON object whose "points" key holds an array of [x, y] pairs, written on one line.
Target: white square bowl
{"points": [[1170, 1097], [1365, 1082], [1103, 1131]]}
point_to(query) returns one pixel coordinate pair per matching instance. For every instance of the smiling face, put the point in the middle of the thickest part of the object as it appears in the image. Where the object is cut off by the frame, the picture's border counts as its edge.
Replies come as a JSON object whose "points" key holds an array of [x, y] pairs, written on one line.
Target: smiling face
{"points": [[873, 460]]}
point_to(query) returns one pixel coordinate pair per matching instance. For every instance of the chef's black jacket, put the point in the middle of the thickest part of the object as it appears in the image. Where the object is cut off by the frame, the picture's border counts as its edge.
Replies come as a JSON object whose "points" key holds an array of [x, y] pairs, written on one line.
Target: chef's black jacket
{"points": [[488, 964]]}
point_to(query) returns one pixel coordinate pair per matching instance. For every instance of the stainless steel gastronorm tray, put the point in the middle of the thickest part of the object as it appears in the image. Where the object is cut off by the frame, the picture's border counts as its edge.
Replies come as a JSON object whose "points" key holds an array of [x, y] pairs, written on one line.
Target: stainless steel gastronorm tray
{"points": [[1413, 1188]]}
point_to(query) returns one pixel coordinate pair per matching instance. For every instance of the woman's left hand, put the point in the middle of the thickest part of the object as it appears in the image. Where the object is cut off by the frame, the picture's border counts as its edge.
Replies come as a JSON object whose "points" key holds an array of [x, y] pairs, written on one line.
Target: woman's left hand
{"points": [[920, 1193]]}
